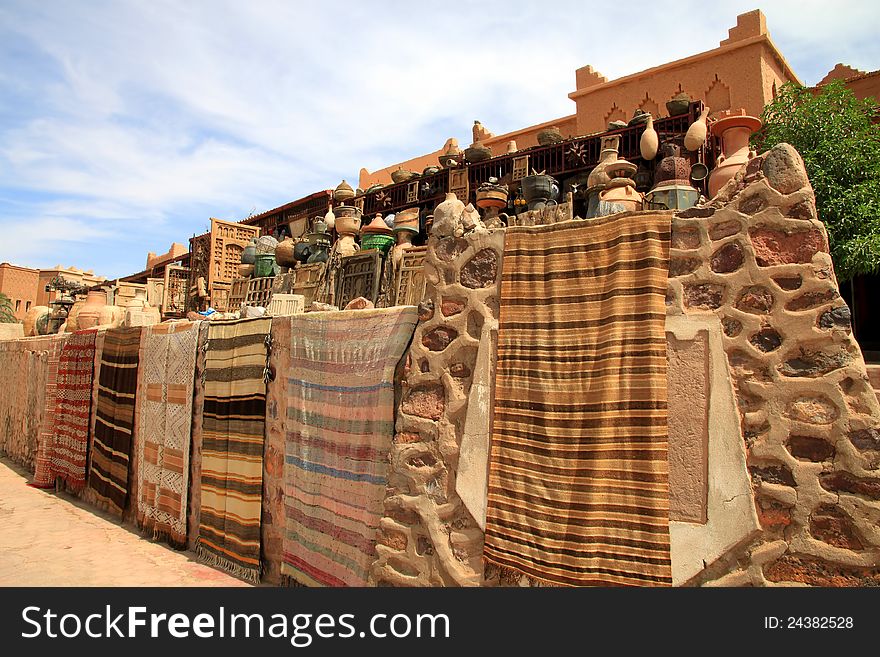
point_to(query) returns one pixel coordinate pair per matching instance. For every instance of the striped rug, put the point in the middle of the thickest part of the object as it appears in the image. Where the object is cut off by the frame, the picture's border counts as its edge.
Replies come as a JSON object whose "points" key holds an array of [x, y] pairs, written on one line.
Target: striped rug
{"points": [[73, 407], [578, 489], [46, 435], [234, 419], [166, 372], [340, 422], [114, 418]]}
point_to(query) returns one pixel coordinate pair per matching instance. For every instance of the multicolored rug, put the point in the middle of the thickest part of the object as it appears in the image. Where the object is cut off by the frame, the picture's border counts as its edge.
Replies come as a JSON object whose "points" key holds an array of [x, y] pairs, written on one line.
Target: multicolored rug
{"points": [[73, 407], [340, 422], [46, 436], [578, 482], [114, 418], [166, 371], [234, 418]]}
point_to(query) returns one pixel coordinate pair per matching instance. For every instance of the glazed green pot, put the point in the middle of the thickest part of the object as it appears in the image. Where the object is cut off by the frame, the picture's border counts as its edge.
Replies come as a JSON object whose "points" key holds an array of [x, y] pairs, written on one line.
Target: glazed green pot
{"points": [[377, 241], [264, 265]]}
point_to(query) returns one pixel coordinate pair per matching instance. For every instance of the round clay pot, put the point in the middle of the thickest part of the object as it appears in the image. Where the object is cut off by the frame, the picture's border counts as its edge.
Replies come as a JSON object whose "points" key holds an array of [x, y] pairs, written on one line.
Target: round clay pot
{"points": [[407, 220], [89, 315], [249, 252], [245, 271], [32, 319], [402, 175], [477, 153], [623, 192], [678, 104], [348, 220], [597, 175], [264, 265], [266, 244], [649, 142], [696, 133], [549, 136], [343, 192], [377, 226], [284, 253]]}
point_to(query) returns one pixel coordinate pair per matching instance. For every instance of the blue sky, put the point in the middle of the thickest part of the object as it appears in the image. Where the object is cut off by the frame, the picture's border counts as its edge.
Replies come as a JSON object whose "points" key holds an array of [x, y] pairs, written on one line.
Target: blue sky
{"points": [[124, 125]]}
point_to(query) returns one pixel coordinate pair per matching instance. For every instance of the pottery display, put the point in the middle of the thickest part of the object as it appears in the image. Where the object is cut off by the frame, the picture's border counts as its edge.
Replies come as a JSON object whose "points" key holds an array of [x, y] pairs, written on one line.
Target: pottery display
{"points": [[249, 252], [649, 142], [319, 250], [539, 189], [284, 253], [407, 221], [348, 220], [598, 178], [623, 192], [491, 194], [89, 315], [140, 313], [266, 244], [264, 265], [672, 189], [735, 129], [377, 235], [245, 271], [33, 319], [402, 175], [549, 136], [678, 104], [477, 152], [696, 133], [343, 192]]}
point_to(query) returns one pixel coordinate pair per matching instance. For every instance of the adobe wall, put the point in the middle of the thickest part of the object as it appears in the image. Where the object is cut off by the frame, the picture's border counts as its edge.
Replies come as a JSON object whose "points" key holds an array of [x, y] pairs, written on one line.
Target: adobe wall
{"points": [[20, 285], [752, 271]]}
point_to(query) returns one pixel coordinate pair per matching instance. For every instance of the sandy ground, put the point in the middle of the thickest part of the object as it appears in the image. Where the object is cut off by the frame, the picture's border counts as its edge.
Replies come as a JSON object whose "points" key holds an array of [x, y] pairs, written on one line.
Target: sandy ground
{"points": [[49, 539]]}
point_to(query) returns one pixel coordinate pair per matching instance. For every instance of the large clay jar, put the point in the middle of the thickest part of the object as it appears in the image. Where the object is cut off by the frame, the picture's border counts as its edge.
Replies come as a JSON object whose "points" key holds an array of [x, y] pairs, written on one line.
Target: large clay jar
{"points": [[549, 136], [407, 220], [139, 313], [447, 215], [622, 191], [249, 252], [734, 128], [343, 192], [678, 104], [284, 253], [649, 141], [264, 265], [32, 320], [477, 152], [696, 133], [348, 220], [89, 315], [110, 317], [71, 319]]}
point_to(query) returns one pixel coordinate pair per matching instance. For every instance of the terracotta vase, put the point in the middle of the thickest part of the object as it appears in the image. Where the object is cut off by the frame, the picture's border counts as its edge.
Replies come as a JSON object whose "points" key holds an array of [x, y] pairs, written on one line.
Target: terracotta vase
{"points": [[598, 176], [345, 245], [111, 316], [407, 220], [89, 315], [330, 219], [735, 131], [348, 220], [33, 318], [696, 133], [649, 141], [622, 191], [140, 313], [72, 317]]}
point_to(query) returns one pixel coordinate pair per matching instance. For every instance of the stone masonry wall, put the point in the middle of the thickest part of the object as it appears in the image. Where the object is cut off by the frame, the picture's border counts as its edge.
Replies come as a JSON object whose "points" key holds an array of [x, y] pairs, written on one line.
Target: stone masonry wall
{"points": [[757, 258], [427, 537]]}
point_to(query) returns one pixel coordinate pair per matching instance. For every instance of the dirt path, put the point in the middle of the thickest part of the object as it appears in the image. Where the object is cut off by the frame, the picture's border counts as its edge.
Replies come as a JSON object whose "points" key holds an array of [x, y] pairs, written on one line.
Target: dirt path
{"points": [[49, 539]]}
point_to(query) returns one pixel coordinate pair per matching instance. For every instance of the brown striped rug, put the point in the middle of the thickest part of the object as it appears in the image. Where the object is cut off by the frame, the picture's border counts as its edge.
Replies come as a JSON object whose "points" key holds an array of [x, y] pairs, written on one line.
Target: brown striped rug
{"points": [[234, 419], [578, 489], [114, 418], [73, 407], [166, 374]]}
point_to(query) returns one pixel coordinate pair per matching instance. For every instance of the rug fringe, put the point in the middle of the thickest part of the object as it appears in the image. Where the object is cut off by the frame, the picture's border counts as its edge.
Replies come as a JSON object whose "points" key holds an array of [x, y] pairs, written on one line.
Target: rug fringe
{"points": [[511, 573], [206, 556]]}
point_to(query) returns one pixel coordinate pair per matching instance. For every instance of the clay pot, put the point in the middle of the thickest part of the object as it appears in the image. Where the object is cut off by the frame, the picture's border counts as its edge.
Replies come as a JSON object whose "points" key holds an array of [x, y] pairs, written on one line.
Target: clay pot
{"points": [[492, 195], [249, 252], [32, 320], [301, 251], [245, 271], [330, 219], [348, 220], [623, 192], [617, 125], [376, 226], [597, 175], [345, 245], [319, 251], [549, 136], [343, 192], [734, 130], [696, 133], [89, 314], [477, 152], [450, 153], [110, 317], [266, 244], [511, 146], [539, 189], [678, 104], [140, 313], [284, 253], [407, 221], [649, 142], [640, 116], [404, 243], [620, 169], [402, 175]]}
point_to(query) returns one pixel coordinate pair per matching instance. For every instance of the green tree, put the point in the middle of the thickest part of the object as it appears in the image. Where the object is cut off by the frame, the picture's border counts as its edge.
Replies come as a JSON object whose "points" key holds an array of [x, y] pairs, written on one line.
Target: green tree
{"points": [[835, 134], [7, 314]]}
